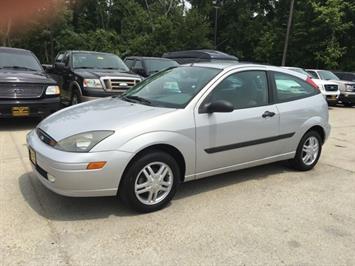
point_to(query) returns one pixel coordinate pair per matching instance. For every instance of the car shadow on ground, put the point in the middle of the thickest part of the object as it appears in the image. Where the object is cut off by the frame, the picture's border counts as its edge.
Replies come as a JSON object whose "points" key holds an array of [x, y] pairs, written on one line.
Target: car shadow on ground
{"points": [[60, 208], [16, 124]]}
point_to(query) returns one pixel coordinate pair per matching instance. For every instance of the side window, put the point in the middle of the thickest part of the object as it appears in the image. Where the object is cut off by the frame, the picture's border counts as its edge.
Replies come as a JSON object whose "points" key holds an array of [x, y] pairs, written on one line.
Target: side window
{"points": [[313, 74], [59, 58], [129, 63], [243, 89], [138, 64], [290, 88], [66, 59]]}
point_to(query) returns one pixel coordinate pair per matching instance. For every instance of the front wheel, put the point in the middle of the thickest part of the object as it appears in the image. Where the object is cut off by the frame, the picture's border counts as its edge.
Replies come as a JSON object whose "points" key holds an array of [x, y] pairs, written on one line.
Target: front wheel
{"points": [[308, 151], [150, 182]]}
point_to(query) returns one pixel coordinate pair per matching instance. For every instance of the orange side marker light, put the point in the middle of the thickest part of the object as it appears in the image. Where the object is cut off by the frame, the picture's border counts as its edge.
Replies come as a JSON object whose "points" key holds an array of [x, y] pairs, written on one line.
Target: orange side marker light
{"points": [[95, 165]]}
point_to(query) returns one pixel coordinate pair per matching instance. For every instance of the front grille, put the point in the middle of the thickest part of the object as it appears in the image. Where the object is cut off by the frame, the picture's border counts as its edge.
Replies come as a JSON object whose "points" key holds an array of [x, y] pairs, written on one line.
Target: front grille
{"points": [[331, 87], [20, 90], [45, 137], [41, 171], [119, 84]]}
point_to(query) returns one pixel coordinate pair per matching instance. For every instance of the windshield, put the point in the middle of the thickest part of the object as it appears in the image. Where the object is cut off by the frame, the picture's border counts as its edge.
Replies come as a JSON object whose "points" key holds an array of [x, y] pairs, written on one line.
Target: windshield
{"points": [[98, 60], [172, 88], [20, 61], [327, 75], [155, 65]]}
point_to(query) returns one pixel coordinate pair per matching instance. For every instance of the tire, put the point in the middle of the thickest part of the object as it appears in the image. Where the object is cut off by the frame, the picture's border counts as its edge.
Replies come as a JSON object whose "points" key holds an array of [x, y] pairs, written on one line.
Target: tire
{"points": [[349, 104], [310, 139], [75, 98], [145, 193]]}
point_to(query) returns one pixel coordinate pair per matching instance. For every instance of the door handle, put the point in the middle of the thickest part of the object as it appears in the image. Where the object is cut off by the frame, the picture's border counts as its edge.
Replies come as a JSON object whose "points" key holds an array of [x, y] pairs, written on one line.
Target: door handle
{"points": [[268, 114]]}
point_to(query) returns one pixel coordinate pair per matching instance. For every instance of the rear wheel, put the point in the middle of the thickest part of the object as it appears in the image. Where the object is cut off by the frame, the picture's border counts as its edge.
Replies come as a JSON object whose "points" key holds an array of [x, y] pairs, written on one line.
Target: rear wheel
{"points": [[150, 182], [308, 151]]}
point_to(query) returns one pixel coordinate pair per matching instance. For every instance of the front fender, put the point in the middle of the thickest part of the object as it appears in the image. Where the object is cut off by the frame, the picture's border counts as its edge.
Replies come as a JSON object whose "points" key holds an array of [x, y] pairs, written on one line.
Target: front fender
{"points": [[184, 144]]}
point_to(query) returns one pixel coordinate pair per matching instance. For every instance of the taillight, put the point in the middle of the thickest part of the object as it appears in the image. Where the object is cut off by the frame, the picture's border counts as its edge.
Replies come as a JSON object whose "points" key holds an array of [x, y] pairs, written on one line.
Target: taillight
{"points": [[311, 82]]}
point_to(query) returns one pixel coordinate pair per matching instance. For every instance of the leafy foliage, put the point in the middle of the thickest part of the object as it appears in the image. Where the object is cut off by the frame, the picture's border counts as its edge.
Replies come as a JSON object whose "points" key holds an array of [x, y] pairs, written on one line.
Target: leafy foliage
{"points": [[322, 33]]}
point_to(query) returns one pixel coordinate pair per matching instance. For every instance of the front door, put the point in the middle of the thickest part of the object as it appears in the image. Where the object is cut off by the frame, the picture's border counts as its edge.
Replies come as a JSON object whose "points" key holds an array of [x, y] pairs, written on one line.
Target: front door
{"points": [[224, 141]]}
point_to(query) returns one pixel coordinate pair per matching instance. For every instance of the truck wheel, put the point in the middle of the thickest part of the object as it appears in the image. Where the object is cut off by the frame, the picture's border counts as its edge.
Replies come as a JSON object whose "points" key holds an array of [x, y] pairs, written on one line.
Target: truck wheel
{"points": [[75, 98]]}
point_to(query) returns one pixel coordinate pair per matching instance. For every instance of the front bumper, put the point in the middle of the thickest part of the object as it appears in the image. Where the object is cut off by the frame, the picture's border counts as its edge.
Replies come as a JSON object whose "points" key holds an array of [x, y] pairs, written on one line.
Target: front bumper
{"points": [[37, 108], [70, 173], [347, 97], [91, 93]]}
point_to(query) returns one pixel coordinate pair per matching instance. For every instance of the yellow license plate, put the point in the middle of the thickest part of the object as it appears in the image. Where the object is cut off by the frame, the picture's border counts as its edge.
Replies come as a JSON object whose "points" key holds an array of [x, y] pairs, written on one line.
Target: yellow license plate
{"points": [[32, 156], [20, 111]]}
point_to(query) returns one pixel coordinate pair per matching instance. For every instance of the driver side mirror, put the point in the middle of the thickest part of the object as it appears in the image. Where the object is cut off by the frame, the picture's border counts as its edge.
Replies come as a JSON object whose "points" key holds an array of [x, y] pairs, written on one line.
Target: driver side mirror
{"points": [[59, 65], [220, 106]]}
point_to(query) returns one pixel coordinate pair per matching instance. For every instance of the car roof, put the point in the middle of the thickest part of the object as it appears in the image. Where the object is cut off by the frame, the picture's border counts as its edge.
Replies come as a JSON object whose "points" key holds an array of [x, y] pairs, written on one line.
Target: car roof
{"points": [[202, 54], [148, 57], [89, 52], [238, 65], [14, 50]]}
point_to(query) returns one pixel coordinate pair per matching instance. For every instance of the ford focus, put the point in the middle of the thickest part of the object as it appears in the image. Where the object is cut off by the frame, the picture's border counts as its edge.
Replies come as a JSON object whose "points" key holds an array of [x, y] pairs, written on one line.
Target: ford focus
{"points": [[181, 124]]}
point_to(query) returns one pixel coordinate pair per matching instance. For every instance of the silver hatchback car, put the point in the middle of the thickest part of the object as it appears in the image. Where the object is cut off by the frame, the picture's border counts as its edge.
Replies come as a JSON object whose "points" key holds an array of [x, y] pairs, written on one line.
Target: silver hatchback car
{"points": [[181, 124]]}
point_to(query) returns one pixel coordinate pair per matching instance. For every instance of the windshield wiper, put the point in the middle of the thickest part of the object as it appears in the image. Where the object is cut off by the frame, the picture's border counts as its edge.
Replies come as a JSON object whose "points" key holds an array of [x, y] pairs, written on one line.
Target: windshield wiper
{"points": [[19, 67], [136, 99], [84, 67]]}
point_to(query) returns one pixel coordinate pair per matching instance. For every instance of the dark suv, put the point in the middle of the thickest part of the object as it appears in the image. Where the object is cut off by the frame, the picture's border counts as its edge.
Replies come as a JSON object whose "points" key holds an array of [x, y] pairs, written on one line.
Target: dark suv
{"points": [[25, 89], [86, 75], [146, 66]]}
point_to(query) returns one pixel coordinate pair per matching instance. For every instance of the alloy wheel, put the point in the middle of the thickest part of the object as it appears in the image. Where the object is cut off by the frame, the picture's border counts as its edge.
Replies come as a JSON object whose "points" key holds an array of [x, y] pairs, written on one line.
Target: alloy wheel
{"points": [[153, 183], [310, 150]]}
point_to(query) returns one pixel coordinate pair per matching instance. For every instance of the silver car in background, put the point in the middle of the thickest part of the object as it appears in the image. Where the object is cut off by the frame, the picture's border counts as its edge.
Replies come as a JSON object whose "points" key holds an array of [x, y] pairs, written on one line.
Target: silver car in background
{"points": [[181, 124]]}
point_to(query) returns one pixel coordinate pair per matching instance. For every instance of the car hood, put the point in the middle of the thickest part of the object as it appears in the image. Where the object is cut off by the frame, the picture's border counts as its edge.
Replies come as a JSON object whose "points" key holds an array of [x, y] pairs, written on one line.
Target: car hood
{"points": [[7, 76], [102, 114], [324, 82], [98, 73], [343, 82]]}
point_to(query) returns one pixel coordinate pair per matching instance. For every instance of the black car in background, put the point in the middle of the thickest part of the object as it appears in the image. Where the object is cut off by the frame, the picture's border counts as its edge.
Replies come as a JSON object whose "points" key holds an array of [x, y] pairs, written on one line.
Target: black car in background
{"points": [[86, 75], [25, 89], [146, 66], [194, 56], [348, 76]]}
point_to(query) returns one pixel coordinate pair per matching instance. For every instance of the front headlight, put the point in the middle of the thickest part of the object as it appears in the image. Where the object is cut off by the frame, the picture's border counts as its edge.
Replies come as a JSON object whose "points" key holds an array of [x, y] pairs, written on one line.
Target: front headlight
{"points": [[52, 90], [349, 87], [83, 142], [92, 83]]}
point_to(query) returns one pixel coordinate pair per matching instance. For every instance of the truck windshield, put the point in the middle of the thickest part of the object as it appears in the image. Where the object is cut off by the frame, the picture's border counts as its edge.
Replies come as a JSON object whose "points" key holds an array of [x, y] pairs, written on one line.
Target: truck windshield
{"points": [[155, 65], [98, 60], [327, 75], [171, 88], [19, 61]]}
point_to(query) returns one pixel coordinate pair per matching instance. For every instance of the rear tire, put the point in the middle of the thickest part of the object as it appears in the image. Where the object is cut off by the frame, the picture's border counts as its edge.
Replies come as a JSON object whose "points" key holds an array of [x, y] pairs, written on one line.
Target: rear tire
{"points": [[150, 182], [308, 151]]}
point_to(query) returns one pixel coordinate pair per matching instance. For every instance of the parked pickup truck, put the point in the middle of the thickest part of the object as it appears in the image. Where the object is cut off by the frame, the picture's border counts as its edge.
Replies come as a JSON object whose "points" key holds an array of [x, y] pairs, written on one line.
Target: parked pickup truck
{"points": [[328, 88], [86, 75], [347, 88], [25, 89]]}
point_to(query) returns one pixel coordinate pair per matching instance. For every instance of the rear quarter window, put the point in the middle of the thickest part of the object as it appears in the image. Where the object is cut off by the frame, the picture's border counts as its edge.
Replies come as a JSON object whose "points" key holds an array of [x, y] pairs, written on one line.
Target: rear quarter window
{"points": [[291, 88]]}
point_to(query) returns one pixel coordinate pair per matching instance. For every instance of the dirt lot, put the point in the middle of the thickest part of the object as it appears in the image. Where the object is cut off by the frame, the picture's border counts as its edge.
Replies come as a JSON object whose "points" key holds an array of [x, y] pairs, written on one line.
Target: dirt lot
{"points": [[268, 215]]}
